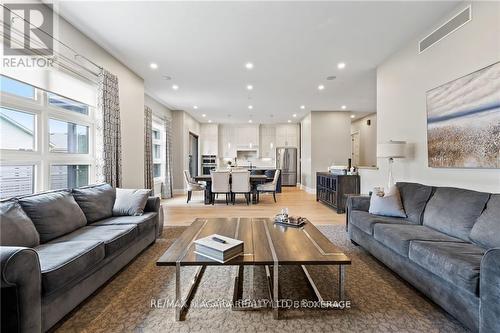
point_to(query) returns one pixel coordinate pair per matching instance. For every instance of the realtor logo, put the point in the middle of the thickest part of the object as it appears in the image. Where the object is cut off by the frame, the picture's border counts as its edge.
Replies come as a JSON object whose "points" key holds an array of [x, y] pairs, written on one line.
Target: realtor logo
{"points": [[28, 29]]}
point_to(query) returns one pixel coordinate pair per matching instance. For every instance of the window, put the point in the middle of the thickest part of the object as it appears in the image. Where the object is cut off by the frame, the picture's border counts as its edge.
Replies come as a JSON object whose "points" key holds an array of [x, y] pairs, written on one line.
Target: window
{"points": [[65, 137], [46, 140], [17, 88], [159, 144], [18, 130], [67, 104], [16, 180], [68, 176]]}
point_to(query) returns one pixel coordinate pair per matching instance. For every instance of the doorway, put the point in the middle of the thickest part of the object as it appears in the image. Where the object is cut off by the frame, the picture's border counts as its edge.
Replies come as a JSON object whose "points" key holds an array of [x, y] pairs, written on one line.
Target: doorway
{"points": [[355, 148], [193, 154]]}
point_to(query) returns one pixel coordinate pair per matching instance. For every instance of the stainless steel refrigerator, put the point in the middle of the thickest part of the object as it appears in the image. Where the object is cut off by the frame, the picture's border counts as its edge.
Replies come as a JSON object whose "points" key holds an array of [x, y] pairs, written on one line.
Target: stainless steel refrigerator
{"points": [[286, 161]]}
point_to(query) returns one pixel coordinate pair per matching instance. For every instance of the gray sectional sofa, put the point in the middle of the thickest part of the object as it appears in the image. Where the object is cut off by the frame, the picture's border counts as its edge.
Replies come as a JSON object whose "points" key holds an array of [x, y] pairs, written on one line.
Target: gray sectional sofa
{"points": [[58, 247], [448, 247]]}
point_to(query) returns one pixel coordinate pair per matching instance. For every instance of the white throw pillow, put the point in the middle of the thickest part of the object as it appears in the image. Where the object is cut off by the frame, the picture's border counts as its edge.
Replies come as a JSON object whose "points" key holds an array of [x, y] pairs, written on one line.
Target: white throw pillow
{"points": [[387, 205], [130, 202]]}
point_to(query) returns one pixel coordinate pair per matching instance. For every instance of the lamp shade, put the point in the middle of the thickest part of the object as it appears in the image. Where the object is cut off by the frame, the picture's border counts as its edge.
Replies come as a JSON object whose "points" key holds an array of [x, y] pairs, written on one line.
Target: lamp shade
{"points": [[392, 149]]}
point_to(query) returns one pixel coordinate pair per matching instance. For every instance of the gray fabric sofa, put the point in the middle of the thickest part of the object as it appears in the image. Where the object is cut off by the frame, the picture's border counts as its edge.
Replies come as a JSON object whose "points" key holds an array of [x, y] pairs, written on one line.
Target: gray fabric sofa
{"points": [[58, 247], [448, 247]]}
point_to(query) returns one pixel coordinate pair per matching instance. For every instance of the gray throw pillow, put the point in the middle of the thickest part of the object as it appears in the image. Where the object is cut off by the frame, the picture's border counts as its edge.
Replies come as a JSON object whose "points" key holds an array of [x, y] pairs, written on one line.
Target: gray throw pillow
{"points": [[96, 201], [130, 202], [16, 228], [53, 213], [486, 230], [387, 205]]}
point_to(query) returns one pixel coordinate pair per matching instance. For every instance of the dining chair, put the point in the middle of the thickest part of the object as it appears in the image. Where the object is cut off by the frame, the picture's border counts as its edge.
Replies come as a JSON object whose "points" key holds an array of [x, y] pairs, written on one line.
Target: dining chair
{"points": [[240, 184], [220, 184], [192, 185], [269, 187]]}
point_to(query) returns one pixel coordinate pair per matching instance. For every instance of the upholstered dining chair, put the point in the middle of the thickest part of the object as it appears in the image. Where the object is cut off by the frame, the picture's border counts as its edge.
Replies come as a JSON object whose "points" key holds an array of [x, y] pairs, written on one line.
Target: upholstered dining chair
{"points": [[192, 185], [220, 184], [269, 187], [240, 184]]}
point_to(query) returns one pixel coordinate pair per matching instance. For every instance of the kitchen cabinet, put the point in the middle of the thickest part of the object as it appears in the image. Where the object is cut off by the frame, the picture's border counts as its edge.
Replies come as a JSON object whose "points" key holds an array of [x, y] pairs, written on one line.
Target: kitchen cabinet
{"points": [[209, 139], [267, 141], [227, 141], [287, 135], [247, 136]]}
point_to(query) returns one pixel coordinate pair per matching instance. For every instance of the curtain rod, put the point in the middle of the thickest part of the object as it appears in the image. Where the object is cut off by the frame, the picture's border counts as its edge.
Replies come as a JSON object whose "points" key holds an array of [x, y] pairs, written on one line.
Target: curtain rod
{"points": [[76, 54]]}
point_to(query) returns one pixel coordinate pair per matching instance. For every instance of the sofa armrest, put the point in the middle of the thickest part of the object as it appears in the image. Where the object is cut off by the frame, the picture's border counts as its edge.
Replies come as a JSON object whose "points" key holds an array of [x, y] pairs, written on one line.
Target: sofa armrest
{"points": [[358, 203], [153, 205], [21, 284], [489, 304]]}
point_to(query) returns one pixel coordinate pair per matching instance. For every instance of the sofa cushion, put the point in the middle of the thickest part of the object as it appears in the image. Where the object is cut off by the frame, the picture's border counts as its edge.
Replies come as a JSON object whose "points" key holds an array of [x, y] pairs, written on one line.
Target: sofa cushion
{"points": [[486, 230], [16, 228], [143, 222], [53, 213], [114, 237], [64, 262], [398, 237], [457, 263], [454, 211], [414, 197], [365, 221], [387, 205], [130, 202], [96, 201]]}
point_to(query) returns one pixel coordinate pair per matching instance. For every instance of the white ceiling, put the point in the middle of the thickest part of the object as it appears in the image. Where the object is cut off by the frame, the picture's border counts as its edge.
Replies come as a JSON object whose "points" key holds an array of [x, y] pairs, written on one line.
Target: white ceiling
{"points": [[294, 46]]}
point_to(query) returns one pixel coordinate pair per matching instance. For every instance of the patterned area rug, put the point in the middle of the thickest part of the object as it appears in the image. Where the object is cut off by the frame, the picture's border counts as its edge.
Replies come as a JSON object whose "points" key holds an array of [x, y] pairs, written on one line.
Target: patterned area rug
{"points": [[136, 300]]}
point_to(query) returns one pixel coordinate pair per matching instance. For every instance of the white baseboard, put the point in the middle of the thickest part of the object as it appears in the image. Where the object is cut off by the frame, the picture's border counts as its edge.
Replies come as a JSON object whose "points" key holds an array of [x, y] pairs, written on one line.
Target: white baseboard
{"points": [[308, 189]]}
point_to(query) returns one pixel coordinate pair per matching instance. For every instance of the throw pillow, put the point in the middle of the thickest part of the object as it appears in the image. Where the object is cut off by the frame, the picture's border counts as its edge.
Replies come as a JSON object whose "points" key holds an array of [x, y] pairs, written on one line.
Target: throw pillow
{"points": [[16, 227], [130, 202], [95, 201], [387, 204]]}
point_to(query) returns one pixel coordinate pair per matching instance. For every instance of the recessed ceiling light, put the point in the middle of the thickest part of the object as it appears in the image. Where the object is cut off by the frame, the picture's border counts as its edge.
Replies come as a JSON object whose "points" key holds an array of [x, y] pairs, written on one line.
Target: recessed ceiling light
{"points": [[249, 87], [343, 107], [249, 65], [153, 65], [250, 107], [209, 121], [203, 115], [175, 87], [321, 87], [289, 121], [294, 115], [195, 107], [341, 65], [250, 121], [353, 116], [302, 107]]}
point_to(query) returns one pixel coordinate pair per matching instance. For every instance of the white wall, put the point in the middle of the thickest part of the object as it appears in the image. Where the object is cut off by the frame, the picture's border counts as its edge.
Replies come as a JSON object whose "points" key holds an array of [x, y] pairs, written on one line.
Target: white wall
{"points": [[367, 139], [131, 88], [159, 109], [325, 140], [402, 82]]}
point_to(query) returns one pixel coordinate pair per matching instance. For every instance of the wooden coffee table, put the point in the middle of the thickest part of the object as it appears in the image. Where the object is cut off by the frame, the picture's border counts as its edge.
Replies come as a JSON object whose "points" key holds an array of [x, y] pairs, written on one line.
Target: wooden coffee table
{"points": [[265, 243]]}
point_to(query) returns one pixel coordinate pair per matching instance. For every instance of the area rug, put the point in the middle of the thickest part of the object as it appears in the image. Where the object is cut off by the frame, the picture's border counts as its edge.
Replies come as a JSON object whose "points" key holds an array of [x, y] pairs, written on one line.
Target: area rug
{"points": [[137, 299]]}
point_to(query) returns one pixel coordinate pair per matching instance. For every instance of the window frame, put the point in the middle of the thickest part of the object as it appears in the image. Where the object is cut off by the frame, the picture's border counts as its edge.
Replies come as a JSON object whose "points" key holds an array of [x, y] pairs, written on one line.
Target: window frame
{"points": [[41, 156], [158, 124]]}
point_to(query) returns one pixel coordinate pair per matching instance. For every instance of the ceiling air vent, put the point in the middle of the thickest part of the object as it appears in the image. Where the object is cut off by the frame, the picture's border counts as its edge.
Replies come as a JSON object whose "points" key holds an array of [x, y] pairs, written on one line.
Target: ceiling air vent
{"points": [[447, 28]]}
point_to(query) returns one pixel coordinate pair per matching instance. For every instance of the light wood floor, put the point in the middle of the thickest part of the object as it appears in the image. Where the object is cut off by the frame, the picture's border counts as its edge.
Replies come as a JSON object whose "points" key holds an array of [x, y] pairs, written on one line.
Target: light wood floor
{"points": [[299, 202]]}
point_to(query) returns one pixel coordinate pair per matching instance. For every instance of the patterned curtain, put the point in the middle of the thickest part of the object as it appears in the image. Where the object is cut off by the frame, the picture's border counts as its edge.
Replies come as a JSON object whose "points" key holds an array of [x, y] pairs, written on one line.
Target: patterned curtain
{"points": [[148, 149], [108, 131], [166, 191]]}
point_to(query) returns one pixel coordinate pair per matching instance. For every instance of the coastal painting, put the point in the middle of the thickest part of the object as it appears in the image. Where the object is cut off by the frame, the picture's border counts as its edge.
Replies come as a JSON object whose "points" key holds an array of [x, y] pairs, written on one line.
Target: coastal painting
{"points": [[463, 121]]}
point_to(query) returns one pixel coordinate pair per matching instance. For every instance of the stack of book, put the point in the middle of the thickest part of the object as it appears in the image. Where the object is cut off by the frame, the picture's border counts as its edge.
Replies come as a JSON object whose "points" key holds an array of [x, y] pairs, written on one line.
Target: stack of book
{"points": [[218, 248]]}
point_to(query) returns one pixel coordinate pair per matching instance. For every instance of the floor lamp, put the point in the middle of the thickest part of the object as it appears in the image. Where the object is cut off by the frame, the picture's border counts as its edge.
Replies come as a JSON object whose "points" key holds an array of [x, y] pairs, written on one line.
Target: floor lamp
{"points": [[391, 150]]}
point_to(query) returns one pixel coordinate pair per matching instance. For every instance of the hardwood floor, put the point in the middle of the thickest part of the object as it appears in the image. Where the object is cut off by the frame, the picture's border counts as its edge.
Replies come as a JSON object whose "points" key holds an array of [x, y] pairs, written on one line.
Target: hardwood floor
{"points": [[299, 202]]}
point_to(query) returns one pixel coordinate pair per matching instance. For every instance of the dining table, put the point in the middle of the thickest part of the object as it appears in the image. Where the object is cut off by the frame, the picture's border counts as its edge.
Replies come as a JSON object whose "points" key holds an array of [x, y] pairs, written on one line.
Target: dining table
{"points": [[254, 181]]}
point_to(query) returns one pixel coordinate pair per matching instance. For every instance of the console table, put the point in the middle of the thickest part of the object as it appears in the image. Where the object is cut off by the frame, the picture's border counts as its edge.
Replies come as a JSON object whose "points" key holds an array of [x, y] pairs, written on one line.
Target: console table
{"points": [[331, 189]]}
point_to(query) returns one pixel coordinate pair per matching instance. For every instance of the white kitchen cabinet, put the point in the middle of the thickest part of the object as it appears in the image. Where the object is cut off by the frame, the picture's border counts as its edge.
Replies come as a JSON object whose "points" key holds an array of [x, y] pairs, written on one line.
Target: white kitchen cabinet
{"points": [[267, 141], [227, 141], [287, 135], [247, 136], [209, 139]]}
